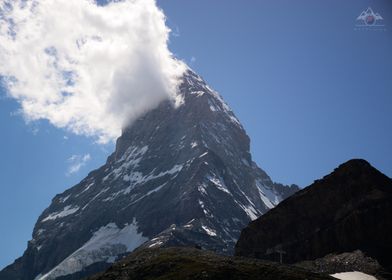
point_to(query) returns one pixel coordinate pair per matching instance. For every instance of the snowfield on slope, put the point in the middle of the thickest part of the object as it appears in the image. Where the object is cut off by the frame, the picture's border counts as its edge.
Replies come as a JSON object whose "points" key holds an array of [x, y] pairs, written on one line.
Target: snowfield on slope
{"points": [[353, 276], [105, 245]]}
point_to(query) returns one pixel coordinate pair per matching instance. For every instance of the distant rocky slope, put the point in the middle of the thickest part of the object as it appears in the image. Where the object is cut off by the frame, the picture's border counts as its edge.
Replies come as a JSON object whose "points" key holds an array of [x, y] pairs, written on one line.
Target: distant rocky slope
{"points": [[185, 263], [348, 210], [178, 177]]}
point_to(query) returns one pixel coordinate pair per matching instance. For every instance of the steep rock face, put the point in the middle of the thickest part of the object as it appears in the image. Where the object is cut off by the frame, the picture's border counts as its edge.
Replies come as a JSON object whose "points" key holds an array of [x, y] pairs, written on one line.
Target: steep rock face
{"points": [[347, 210], [179, 176]]}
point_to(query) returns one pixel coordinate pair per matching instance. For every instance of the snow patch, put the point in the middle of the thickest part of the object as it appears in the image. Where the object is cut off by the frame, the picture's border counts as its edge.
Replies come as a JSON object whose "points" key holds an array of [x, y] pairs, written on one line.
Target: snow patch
{"points": [[267, 195], [130, 160], [88, 187], [353, 276], [95, 197], [68, 210], [137, 178], [193, 144], [219, 184], [250, 211], [157, 189], [245, 161], [201, 203], [64, 199], [198, 93], [209, 231], [155, 244], [40, 231], [105, 244], [204, 154], [265, 200], [213, 109], [202, 189]]}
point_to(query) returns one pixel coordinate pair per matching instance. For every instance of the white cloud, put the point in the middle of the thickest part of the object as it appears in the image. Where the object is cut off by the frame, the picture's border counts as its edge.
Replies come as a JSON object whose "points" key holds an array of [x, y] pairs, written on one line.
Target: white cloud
{"points": [[77, 162], [87, 68]]}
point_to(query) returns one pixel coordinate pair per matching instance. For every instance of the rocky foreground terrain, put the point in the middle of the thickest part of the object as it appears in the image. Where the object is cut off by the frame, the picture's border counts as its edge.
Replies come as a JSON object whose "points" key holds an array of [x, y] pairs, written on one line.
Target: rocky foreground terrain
{"points": [[338, 263], [188, 263]]}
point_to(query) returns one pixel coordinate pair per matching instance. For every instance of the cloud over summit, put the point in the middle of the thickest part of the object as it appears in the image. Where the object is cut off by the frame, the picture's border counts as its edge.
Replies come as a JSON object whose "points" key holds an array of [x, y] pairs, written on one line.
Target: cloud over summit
{"points": [[87, 68]]}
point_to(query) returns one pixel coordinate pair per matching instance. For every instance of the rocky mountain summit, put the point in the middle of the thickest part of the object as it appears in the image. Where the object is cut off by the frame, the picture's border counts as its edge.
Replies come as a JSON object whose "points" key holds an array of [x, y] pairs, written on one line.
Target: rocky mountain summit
{"points": [[179, 176], [348, 210]]}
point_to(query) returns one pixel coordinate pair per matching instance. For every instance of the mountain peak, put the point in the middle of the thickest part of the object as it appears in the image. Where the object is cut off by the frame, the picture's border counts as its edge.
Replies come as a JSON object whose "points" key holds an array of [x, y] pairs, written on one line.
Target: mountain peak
{"points": [[355, 164], [180, 175], [357, 172]]}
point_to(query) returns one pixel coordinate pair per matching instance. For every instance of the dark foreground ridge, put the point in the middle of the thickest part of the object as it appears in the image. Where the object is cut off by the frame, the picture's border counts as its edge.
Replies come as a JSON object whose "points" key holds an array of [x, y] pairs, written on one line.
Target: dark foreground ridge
{"points": [[348, 210], [185, 263]]}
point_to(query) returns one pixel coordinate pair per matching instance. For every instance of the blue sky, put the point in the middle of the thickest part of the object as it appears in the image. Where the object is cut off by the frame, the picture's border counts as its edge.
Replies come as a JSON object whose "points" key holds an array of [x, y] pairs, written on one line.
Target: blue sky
{"points": [[311, 91]]}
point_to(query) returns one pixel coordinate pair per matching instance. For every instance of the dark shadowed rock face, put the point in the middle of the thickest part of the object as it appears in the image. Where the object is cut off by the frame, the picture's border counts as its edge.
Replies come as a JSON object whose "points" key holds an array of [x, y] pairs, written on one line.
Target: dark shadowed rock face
{"points": [[179, 176], [347, 210], [185, 263]]}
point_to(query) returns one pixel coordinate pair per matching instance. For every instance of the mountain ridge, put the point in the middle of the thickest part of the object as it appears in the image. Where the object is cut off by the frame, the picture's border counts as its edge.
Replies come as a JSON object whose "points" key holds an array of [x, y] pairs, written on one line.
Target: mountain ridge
{"points": [[347, 210]]}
